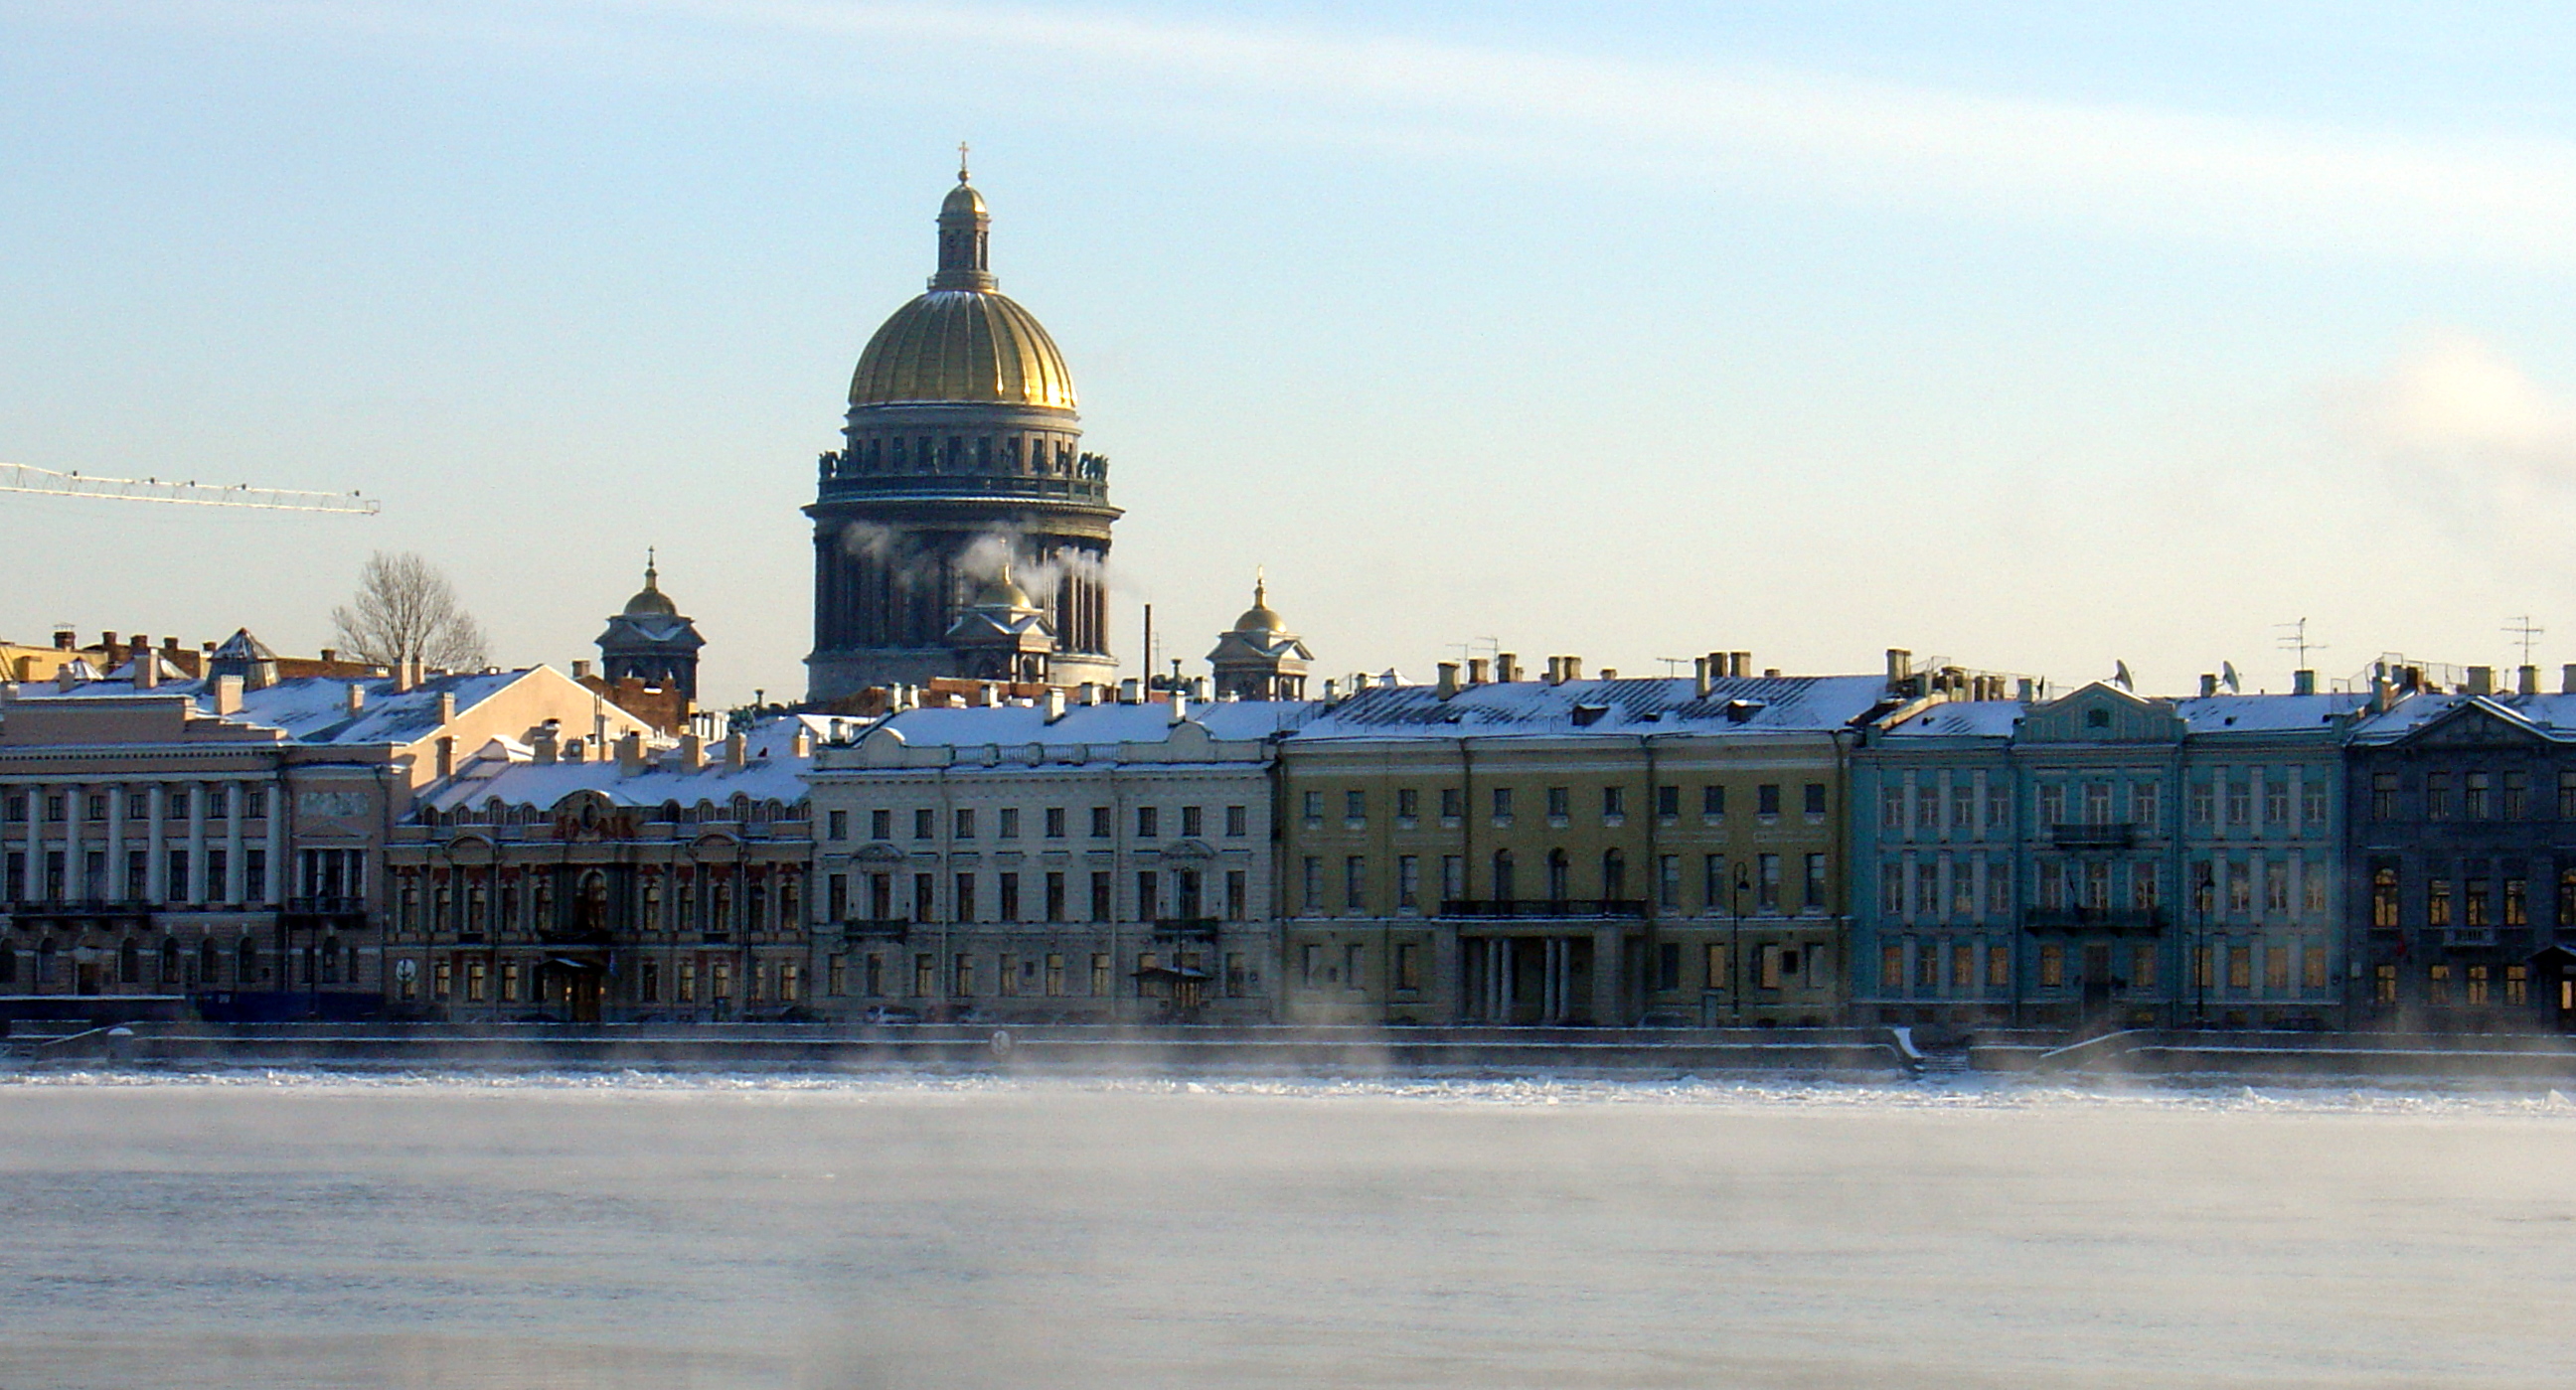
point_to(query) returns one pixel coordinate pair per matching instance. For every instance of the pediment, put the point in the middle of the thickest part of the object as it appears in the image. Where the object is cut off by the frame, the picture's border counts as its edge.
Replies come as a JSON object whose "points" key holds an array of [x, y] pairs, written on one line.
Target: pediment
{"points": [[2475, 723]]}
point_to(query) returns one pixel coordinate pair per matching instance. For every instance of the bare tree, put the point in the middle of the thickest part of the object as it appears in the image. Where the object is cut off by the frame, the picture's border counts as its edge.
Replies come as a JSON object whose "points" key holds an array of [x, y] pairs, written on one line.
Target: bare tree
{"points": [[406, 611]]}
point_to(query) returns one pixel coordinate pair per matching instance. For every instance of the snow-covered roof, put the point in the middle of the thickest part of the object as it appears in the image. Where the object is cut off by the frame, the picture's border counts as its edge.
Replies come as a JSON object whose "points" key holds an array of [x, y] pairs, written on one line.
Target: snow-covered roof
{"points": [[1231, 720], [2550, 716], [312, 709], [1962, 719], [2250, 714], [1629, 706], [779, 778]]}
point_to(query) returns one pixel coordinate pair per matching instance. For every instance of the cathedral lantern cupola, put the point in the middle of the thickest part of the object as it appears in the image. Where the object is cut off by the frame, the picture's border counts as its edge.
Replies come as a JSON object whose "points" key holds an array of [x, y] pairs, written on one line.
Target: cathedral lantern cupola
{"points": [[1002, 635], [650, 641], [1260, 659], [962, 432]]}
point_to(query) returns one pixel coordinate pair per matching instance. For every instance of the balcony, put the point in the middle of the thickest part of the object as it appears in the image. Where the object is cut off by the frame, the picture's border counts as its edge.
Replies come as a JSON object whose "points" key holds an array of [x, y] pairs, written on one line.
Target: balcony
{"points": [[1543, 907], [2093, 834], [2468, 936], [2144, 920], [1187, 928]]}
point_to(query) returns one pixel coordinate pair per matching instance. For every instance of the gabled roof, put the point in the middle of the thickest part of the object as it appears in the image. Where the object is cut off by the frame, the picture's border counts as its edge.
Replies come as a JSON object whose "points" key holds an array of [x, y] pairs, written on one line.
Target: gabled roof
{"points": [[2427, 716]]}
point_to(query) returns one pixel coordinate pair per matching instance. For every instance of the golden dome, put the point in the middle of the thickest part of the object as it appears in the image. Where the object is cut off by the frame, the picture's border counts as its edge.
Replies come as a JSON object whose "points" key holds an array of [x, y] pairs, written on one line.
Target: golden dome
{"points": [[962, 201], [1260, 617], [650, 601], [969, 346]]}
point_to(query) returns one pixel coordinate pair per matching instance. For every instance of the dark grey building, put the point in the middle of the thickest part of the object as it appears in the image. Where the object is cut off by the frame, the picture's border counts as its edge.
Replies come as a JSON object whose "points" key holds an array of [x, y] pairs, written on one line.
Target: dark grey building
{"points": [[651, 641], [961, 452]]}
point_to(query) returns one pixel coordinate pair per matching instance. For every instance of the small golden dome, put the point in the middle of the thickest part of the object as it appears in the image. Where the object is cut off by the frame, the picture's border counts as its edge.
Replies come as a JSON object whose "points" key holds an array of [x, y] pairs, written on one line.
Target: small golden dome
{"points": [[963, 201], [1260, 617], [970, 346], [650, 600]]}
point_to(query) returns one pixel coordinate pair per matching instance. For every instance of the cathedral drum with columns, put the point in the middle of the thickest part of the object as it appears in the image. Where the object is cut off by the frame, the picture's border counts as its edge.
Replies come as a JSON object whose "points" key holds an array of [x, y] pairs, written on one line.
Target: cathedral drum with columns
{"points": [[961, 473]]}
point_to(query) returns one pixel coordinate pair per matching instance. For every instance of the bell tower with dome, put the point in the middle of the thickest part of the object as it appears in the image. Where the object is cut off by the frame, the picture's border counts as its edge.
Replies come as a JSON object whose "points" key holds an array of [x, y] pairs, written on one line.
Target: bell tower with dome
{"points": [[961, 463]]}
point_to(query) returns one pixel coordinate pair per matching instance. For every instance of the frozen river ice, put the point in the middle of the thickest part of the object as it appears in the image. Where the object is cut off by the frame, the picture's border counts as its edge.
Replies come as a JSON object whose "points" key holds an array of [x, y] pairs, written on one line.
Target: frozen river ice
{"points": [[288, 1230]]}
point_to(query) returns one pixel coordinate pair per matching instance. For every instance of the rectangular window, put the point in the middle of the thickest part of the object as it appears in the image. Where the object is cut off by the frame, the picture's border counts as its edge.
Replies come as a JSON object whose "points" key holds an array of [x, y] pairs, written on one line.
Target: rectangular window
{"points": [[1238, 822], [1891, 889], [2142, 966], [1668, 802], [881, 824], [1408, 804], [836, 976], [1006, 974], [2276, 801], [1055, 975], [2240, 803], [1355, 805], [2312, 887], [2437, 796], [2052, 966], [2437, 985], [1314, 808], [2477, 985], [1408, 880], [1354, 955], [1712, 882], [2276, 887], [1408, 966], [1712, 800], [1237, 896], [1766, 799], [1998, 967], [2477, 797], [2146, 805], [1193, 821], [1148, 895], [2383, 984], [2383, 796], [1814, 897], [1355, 882], [2517, 903], [1102, 891], [1891, 966], [2517, 796], [1614, 802], [2566, 795], [1007, 826], [839, 821], [1055, 895], [2276, 970], [1100, 974], [2473, 903], [2315, 979], [1560, 802], [2240, 887], [1963, 807], [1453, 802], [2437, 903], [2517, 985], [1149, 822], [1927, 809], [838, 890], [1815, 798], [1055, 822], [964, 901], [1502, 805], [2201, 805], [1009, 884], [1668, 965], [1767, 884], [2052, 805], [1668, 882], [925, 975], [925, 824], [963, 977], [1101, 829]]}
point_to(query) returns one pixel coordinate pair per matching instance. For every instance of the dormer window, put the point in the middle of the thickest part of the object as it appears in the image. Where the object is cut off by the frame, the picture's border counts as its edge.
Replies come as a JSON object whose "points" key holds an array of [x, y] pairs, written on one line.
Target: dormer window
{"points": [[2097, 718]]}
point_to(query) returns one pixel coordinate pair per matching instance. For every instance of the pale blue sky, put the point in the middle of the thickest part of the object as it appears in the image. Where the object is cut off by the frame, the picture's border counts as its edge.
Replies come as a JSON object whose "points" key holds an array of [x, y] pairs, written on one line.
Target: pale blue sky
{"points": [[2031, 338]]}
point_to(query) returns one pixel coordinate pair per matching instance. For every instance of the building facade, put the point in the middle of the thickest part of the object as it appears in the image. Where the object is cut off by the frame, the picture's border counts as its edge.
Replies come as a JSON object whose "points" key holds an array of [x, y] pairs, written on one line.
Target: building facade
{"points": [[2463, 867], [219, 842], [1569, 851], [558, 879], [961, 457], [2102, 858], [1035, 861]]}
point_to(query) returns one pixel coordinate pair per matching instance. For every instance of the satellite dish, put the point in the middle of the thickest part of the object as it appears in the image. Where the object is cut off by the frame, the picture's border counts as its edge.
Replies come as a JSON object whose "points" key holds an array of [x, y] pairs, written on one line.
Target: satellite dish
{"points": [[2227, 675], [2120, 676]]}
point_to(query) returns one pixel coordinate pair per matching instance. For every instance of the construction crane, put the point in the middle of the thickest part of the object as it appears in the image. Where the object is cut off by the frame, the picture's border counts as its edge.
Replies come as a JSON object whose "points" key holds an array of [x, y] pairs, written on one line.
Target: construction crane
{"points": [[19, 477]]}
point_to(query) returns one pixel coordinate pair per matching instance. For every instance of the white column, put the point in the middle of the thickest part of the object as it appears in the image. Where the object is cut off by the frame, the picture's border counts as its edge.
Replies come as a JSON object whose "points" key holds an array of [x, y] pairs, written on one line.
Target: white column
{"points": [[156, 849], [232, 842], [35, 885], [196, 843], [278, 810], [115, 886], [75, 880]]}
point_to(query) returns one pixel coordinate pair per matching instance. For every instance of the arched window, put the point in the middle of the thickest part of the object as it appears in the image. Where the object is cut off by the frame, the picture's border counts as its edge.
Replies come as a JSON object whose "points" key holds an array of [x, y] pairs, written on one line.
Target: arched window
{"points": [[1503, 885], [129, 963], [210, 963], [246, 962], [592, 910], [670, 812], [170, 962], [1559, 877], [1614, 874]]}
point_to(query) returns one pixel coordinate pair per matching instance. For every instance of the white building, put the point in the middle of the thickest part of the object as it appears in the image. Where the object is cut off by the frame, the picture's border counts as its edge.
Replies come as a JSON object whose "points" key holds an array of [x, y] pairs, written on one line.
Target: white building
{"points": [[1093, 863]]}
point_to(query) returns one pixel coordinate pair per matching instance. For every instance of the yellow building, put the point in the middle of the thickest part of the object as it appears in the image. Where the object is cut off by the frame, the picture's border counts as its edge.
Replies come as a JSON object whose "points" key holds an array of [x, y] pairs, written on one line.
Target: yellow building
{"points": [[1569, 851]]}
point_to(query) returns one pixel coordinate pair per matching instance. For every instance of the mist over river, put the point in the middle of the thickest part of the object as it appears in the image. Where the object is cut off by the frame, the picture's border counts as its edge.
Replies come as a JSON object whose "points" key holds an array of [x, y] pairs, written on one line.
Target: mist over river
{"points": [[637, 1231]]}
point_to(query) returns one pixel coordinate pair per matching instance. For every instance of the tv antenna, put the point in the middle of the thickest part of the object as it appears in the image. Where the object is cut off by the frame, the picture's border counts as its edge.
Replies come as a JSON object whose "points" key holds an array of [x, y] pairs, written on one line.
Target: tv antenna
{"points": [[2294, 638], [2523, 631], [1490, 646]]}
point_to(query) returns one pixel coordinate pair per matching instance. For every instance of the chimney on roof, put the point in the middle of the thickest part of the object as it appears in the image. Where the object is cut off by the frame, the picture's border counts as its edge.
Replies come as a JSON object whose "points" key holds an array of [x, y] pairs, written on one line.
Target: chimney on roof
{"points": [[2382, 694], [2024, 688], [1609, 673], [228, 693], [801, 743], [581, 670], [1699, 676], [693, 752], [1053, 703], [147, 668], [2481, 680], [2305, 682], [402, 678], [169, 644], [2567, 679], [2208, 685], [1771, 673], [107, 643], [1130, 691], [737, 752], [547, 747], [630, 755], [1900, 665], [330, 654], [64, 638], [1507, 667], [1479, 670], [2526, 680], [1180, 707], [357, 698], [446, 707], [1448, 679]]}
